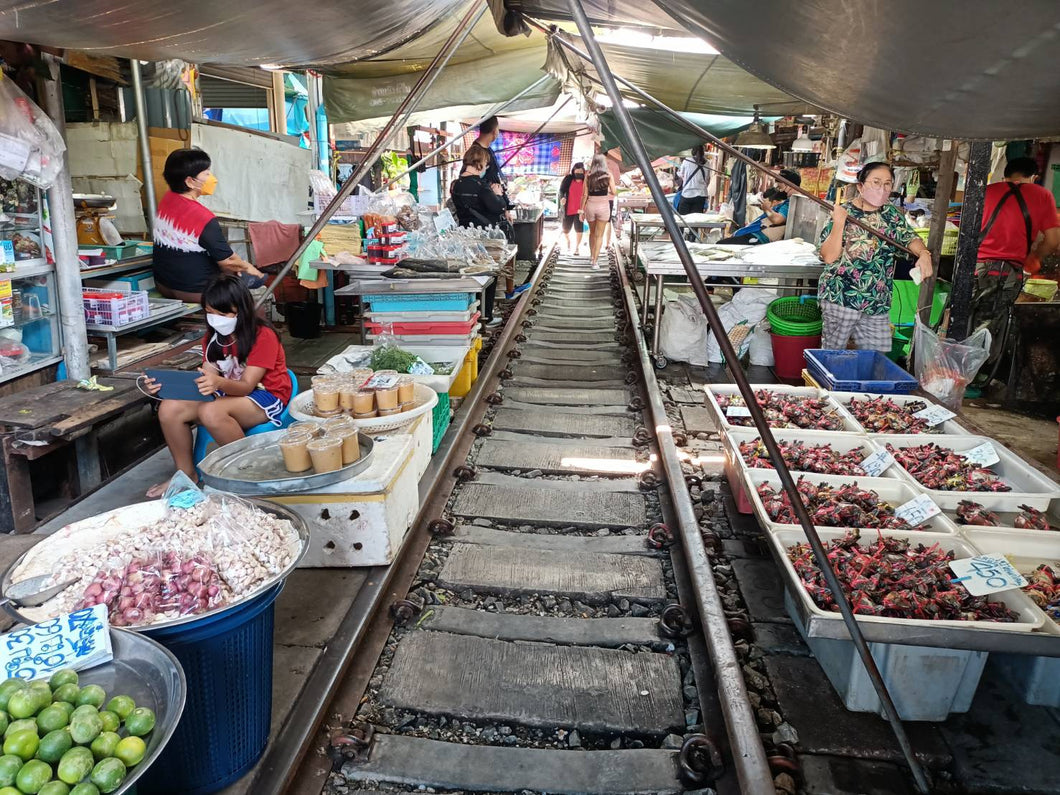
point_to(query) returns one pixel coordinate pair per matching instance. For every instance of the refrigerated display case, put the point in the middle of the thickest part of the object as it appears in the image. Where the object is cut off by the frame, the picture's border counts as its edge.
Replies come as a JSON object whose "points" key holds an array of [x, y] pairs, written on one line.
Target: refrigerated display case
{"points": [[29, 317]]}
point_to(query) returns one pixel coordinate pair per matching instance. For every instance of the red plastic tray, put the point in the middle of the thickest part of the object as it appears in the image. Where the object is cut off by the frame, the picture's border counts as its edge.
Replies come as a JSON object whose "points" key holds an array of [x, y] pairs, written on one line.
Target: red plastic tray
{"points": [[413, 329]]}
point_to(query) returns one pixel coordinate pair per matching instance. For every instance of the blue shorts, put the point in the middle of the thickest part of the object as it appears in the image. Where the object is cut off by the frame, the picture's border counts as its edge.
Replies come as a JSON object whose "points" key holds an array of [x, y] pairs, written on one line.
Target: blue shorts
{"points": [[269, 403]]}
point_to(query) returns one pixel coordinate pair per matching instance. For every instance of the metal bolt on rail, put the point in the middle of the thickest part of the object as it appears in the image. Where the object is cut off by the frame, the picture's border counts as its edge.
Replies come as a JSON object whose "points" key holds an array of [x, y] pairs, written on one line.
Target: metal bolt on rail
{"points": [[440, 528], [659, 536], [353, 743], [404, 610], [675, 622], [636, 403], [482, 429], [699, 762], [494, 398], [649, 480], [465, 473]]}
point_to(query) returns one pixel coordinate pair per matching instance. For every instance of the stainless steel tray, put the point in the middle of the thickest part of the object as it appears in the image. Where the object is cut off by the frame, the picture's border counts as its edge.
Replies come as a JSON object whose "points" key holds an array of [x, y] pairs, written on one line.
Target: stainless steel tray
{"points": [[254, 466]]}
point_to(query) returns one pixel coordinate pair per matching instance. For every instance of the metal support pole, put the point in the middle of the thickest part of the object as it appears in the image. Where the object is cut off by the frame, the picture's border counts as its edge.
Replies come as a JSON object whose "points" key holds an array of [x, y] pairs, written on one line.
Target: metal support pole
{"points": [[448, 144], [695, 129], [943, 188], [968, 240], [408, 104], [746, 742], [64, 240], [145, 143], [311, 107]]}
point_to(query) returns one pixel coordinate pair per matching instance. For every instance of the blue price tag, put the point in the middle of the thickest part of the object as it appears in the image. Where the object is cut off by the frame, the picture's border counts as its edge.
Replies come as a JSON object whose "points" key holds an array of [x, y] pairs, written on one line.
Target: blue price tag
{"points": [[75, 640]]}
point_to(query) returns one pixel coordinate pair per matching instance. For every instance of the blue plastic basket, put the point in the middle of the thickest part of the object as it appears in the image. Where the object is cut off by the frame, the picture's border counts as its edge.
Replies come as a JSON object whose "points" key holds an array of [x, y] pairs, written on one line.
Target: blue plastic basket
{"points": [[227, 660], [857, 371], [421, 302]]}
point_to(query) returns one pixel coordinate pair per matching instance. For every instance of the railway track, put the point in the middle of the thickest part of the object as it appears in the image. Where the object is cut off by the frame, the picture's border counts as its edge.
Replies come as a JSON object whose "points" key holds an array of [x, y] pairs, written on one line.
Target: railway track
{"points": [[543, 635]]}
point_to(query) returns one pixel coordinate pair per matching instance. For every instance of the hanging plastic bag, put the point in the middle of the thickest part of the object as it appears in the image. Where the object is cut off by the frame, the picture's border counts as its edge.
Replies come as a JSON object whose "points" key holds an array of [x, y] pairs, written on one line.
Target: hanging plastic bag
{"points": [[30, 146], [945, 368], [760, 349]]}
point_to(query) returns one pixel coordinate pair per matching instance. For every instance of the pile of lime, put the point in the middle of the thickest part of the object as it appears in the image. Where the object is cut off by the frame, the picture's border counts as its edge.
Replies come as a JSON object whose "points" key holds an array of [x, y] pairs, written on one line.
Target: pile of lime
{"points": [[60, 739]]}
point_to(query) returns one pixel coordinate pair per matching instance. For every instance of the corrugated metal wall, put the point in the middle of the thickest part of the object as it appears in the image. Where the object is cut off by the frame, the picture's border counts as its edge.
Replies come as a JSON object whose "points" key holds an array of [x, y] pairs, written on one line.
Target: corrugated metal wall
{"points": [[226, 94]]}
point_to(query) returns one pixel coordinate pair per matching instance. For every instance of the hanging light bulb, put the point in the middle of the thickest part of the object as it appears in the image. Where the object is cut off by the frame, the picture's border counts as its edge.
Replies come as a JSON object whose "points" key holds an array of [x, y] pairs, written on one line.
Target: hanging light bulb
{"points": [[802, 143], [755, 136]]}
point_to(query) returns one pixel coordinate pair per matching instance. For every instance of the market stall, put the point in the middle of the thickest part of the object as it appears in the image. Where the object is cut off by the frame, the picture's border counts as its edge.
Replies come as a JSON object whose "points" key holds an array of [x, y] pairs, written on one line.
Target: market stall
{"points": [[645, 227]]}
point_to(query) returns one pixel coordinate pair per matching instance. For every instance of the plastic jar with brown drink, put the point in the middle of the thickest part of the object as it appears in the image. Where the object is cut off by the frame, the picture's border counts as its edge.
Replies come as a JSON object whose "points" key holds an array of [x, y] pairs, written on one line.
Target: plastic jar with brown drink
{"points": [[363, 402], [305, 426], [293, 446], [406, 390], [326, 397], [351, 446], [326, 453]]}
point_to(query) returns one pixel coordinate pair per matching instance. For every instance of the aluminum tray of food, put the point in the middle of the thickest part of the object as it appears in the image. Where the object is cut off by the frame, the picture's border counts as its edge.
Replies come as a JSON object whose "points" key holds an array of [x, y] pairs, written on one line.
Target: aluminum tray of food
{"points": [[994, 510], [892, 414], [842, 502], [785, 407], [818, 452], [254, 466], [940, 468], [900, 578], [156, 566]]}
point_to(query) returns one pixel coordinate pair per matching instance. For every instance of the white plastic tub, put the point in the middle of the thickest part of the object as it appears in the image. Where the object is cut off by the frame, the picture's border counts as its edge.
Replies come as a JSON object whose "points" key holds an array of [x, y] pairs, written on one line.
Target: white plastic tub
{"points": [[1029, 486], [896, 491], [1007, 513], [949, 427], [713, 390]]}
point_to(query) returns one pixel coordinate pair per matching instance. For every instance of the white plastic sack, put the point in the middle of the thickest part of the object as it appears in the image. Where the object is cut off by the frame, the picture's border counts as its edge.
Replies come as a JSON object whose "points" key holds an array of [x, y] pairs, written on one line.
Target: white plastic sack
{"points": [[30, 146], [747, 306], [761, 347], [683, 332], [945, 368]]}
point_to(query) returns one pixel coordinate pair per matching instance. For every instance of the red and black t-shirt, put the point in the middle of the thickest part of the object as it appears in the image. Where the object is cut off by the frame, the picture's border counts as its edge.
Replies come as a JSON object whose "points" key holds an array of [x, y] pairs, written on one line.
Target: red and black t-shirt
{"points": [[267, 353], [189, 243]]}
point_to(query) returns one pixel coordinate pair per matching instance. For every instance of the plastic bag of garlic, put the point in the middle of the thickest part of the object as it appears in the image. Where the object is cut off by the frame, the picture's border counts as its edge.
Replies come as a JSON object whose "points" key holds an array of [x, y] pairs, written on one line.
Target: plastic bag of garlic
{"points": [[162, 561]]}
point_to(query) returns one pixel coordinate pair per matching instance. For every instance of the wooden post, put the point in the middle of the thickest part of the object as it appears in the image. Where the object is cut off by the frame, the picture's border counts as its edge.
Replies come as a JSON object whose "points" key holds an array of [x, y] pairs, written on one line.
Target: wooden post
{"points": [[968, 239], [943, 190], [279, 103]]}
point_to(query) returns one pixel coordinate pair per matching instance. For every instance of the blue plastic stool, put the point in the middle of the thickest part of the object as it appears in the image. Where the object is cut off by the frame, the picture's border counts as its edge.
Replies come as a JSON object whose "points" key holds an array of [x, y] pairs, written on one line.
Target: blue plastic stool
{"points": [[203, 437]]}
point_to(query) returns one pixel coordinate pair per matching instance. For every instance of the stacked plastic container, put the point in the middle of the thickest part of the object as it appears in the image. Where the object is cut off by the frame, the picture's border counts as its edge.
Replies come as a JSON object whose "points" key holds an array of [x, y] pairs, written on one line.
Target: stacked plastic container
{"points": [[927, 683]]}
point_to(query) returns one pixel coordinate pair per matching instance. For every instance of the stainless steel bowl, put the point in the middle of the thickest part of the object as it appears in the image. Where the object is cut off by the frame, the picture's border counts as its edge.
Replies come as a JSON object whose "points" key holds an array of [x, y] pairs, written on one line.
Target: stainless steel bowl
{"points": [[281, 511]]}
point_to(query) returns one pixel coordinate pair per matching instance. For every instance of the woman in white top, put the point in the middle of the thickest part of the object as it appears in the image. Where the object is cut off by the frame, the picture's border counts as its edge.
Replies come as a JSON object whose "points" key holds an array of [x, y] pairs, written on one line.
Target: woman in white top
{"points": [[693, 176]]}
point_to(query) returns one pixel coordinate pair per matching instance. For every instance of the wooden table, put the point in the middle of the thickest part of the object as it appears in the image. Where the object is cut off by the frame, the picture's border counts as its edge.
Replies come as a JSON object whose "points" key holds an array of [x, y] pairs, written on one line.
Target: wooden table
{"points": [[48, 418]]}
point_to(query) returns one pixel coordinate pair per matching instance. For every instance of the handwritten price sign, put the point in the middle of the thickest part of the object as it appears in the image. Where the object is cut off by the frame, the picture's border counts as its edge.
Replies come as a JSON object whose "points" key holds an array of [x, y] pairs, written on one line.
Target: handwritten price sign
{"points": [[877, 463], [987, 574], [935, 415], [918, 510], [737, 411], [75, 640], [984, 455]]}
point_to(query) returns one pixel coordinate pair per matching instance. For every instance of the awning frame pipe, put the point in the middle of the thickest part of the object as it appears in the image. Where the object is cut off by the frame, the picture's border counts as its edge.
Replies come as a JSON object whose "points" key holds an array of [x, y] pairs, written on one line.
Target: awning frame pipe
{"points": [[695, 129], [463, 28], [596, 57]]}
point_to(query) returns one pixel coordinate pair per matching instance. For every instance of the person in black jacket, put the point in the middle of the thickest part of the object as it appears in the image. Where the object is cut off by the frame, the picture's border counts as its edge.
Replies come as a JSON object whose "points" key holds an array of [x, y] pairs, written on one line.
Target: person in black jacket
{"points": [[479, 204]]}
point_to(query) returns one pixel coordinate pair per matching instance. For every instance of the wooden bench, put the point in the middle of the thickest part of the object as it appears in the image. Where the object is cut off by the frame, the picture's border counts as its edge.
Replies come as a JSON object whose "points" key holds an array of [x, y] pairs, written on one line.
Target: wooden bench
{"points": [[44, 419]]}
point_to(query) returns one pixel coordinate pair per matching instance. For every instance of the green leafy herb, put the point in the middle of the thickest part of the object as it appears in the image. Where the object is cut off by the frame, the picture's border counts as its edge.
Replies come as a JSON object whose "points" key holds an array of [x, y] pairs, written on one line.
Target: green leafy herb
{"points": [[390, 357]]}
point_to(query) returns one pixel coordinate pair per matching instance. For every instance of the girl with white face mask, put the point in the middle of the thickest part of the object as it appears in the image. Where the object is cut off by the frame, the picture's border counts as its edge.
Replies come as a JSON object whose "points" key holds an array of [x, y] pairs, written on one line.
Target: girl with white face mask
{"points": [[244, 368], [856, 284]]}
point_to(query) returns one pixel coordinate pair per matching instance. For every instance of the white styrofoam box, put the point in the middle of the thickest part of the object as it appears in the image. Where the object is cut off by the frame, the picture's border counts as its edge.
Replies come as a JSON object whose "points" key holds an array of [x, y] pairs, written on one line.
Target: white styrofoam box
{"points": [[713, 390], [896, 491], [1030, 617], [422, 433], [1029, 486], [362, 521], [732, 438], [925, 683], [949, 427]]}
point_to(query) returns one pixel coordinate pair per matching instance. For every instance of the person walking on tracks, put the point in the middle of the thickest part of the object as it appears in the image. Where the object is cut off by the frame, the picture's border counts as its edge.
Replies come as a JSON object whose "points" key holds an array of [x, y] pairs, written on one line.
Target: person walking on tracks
{"points": [[1015, 213], [596, 205]]}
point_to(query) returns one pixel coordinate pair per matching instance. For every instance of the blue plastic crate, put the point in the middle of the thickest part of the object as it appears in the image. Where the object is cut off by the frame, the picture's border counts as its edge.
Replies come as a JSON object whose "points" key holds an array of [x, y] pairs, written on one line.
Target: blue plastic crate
{"points": [[421, 302], [857, 371], [227, 660]]}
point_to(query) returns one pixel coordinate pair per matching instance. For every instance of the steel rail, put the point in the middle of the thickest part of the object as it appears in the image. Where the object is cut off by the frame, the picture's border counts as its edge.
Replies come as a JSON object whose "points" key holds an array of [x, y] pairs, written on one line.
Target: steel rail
{"points": [[740, 377], [745, 742], [408, 104], [553, 33]]}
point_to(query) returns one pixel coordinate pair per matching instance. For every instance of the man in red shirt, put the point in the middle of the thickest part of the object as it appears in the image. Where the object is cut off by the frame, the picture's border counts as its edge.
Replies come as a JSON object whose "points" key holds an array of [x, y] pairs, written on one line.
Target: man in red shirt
{"points": [[1015, 213]]}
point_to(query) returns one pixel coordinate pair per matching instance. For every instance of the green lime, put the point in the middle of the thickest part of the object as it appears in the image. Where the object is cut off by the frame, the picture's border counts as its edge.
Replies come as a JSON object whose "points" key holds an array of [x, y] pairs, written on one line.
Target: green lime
{"points": [[108, 774], [9, 766], [54, 788], [10, 791], [140, 722], [111, 722], [105, 745], [122, 706], [25, 703], [75, 765], [85, 788], [22, 744], [131, 751], [65, 706], [85, 728], [26, 724], [54, 744], [9, 686], [84, 709], [51, 718], [4, 721], [63, 677], [91, 694], [33, 776], [67, 693]]}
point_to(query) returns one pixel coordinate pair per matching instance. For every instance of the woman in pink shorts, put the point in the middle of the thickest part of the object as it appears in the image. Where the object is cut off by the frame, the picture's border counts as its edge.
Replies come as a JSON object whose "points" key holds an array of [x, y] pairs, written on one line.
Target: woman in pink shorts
{"points": [[596, 208]]}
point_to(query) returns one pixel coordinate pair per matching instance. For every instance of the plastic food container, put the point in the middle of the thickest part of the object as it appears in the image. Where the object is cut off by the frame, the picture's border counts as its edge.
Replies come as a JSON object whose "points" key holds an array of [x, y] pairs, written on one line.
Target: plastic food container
{"points": [[848, 423], [895, 491], [856, 370], [326, 398], [293, 446], [949, 427], [326, 454], [312, 428], [1029, 486]]}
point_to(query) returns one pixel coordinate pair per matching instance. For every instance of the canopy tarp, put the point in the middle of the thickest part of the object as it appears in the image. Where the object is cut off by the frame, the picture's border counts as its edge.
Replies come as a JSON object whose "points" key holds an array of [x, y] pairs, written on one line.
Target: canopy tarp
{"points": [[662, 135], [206, 31], [952, 68]]}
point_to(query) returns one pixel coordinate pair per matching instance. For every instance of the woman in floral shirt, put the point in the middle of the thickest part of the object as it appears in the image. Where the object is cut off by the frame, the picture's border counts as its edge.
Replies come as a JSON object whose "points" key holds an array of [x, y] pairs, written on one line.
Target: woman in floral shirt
{"points": [[855, 287]]}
